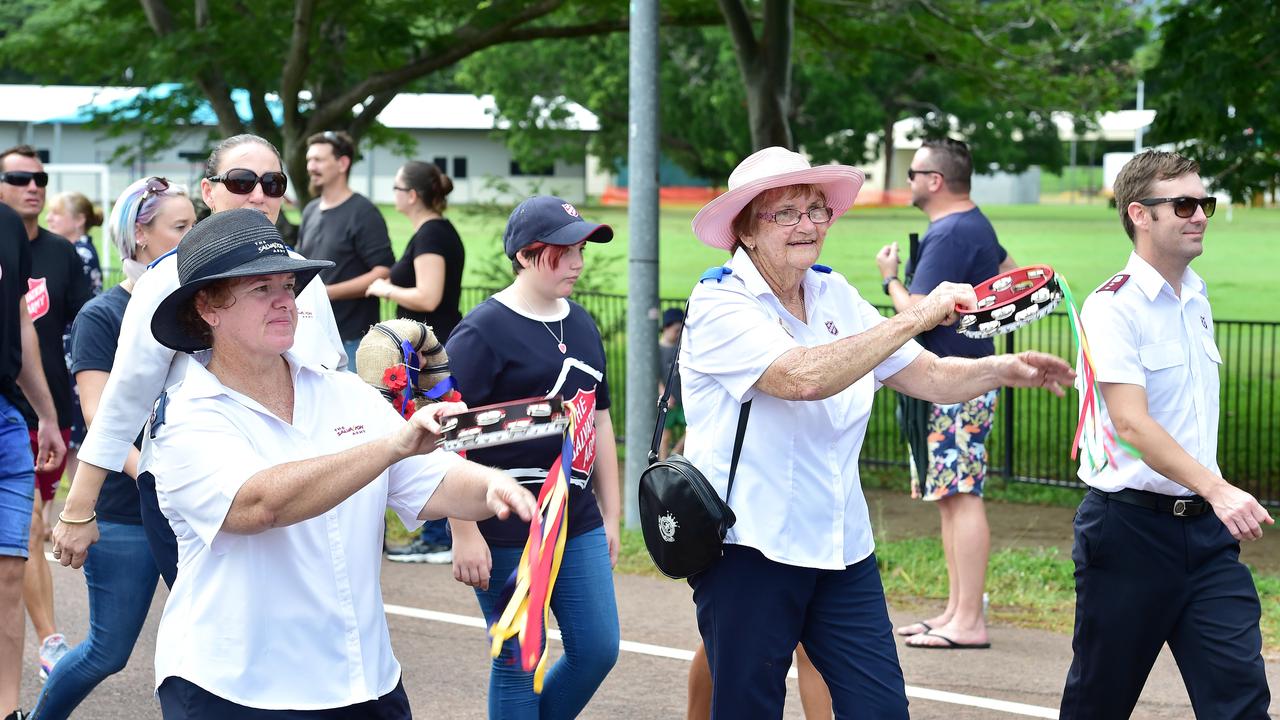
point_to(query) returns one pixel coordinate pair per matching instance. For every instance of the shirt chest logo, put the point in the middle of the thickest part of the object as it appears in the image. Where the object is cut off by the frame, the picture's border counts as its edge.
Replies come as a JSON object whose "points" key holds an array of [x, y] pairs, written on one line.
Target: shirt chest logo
{"points": [[584, 431], [831, 328], [37, 298], [348, 430]]}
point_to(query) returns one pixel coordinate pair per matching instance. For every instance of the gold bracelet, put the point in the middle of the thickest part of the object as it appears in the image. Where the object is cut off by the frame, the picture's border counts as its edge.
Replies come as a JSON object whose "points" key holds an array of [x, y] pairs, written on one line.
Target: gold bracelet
{"points": [[85, 521]]}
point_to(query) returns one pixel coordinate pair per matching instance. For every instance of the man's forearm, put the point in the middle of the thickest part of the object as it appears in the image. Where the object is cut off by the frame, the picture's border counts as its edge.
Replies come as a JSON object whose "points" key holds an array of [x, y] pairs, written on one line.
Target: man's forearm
{"points": [[31, 379], [355, 287]]}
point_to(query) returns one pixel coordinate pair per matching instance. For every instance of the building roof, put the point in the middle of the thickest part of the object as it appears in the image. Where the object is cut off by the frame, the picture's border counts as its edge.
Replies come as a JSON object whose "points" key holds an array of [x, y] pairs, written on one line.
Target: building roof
{"points": [[75, 104]]}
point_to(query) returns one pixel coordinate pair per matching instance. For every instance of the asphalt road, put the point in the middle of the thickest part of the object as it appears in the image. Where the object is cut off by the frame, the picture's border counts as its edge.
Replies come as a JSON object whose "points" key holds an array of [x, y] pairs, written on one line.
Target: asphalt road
{"points": [[445, 657]]}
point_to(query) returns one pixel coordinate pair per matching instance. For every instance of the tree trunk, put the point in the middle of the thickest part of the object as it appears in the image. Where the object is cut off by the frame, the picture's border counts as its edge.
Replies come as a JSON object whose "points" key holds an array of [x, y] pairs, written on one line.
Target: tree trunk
{"points": [[765, 64], [890, 118]]}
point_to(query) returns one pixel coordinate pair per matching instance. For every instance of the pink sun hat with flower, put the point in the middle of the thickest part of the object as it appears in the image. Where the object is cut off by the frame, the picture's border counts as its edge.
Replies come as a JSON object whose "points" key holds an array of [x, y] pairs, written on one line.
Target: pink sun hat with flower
{"points": [[773, 167]]}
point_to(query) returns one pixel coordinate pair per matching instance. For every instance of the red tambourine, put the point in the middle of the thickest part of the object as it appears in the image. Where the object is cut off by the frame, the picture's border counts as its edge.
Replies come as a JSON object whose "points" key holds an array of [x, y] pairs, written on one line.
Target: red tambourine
{"points": [[1010, 300], [503, 423]]}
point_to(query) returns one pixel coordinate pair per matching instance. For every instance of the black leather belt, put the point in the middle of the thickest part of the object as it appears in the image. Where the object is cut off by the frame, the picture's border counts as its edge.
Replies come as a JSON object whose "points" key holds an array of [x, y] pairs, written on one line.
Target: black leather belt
{"points": [[1188, 506]]}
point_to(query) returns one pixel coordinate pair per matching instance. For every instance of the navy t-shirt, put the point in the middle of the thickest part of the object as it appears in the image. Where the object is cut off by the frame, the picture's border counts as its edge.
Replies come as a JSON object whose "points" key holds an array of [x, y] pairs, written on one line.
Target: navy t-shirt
{"points": [[496, 355], [435, 237], [94, 336], [959, 248], [15, 270]]}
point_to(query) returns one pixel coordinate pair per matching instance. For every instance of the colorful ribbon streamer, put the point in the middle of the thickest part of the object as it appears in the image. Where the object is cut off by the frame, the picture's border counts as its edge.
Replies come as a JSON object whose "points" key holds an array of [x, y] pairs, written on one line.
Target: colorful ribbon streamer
{"points": [[1095, 439], [525, 600]]}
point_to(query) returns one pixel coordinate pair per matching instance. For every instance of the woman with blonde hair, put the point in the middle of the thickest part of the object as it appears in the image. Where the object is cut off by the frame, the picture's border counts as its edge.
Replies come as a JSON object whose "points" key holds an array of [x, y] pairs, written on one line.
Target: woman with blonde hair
{"points": [[147, 221]]}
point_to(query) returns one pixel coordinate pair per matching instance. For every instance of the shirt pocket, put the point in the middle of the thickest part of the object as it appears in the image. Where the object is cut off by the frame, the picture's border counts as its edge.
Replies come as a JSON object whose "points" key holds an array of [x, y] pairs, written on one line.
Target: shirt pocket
{"points": [[1211, 349], [1166, 370]]}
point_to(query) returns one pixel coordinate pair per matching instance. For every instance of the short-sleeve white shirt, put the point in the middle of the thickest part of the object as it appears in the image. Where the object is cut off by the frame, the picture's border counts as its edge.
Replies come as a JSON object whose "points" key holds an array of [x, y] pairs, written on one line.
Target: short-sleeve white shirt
{"points": [[143, 367], [1141, 333], [797, 493], [291, 617]]}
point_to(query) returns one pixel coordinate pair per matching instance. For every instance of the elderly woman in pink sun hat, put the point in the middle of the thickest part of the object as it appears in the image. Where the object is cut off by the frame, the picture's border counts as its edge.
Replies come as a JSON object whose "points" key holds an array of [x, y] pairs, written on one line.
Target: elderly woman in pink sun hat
{"points": [[790, 343]]}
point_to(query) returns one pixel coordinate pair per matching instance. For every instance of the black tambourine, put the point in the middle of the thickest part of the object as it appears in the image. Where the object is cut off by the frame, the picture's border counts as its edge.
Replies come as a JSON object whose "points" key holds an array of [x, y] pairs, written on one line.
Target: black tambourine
{"points": [[503, 423], [1010, 300]]}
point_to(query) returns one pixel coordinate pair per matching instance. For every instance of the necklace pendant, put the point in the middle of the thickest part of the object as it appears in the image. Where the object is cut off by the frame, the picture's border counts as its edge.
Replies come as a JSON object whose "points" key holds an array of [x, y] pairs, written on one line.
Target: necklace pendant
{"points": [[563, 349]]}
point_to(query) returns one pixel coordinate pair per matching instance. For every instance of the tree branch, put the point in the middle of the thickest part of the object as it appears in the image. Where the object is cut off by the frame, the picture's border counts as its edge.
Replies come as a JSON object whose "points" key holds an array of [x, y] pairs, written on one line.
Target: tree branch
{"points": [[369, 114], [740, 31], [159, 16], [295, 66]]}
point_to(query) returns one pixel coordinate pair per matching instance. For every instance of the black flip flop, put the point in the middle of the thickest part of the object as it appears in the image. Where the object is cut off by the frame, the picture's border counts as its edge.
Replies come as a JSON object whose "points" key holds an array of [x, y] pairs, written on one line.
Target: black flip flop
{"points": [[950, 644]]}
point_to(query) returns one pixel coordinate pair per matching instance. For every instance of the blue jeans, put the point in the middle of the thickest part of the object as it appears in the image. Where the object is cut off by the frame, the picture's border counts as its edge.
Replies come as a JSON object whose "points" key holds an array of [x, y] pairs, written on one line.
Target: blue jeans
{"points": [[350, 346], [587, 614], [121, 578], [17, 481]]}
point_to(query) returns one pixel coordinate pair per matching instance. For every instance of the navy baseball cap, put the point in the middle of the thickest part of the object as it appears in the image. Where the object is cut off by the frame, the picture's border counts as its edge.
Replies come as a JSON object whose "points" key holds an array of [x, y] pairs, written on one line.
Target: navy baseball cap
{"points": [[671, 316], [550, 220]]}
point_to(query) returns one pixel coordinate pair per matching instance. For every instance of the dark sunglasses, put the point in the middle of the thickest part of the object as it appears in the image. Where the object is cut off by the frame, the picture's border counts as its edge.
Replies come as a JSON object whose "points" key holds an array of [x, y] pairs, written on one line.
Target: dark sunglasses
{"points": [[155, 186], [241, 182], [1185, 206], [911, 174], [22, 178]]}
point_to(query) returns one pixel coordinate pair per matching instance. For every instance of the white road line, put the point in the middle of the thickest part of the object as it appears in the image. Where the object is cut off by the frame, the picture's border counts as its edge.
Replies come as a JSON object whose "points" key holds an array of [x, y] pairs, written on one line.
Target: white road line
{"points": [[670, 653], [919, 693]]}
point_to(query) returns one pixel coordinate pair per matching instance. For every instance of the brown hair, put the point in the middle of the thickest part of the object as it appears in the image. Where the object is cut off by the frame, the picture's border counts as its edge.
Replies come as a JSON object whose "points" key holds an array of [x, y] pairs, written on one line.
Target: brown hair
{"points": [[746, 222], [538, 253], [217, 294], [24, 150], [952, 159], [215, 156], [77, 204], [1141, 172], [430, 182], [343, 145]]}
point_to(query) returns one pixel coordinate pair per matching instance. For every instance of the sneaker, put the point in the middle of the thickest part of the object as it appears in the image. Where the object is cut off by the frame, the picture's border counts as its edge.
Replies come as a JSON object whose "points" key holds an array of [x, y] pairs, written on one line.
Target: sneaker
{"points": [[17, 715], [52, 650], [420, 551]]}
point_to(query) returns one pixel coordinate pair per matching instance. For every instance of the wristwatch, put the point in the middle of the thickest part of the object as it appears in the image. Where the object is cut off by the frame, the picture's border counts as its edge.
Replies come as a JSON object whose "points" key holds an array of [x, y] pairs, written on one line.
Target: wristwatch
{"points": [[885, 284]]}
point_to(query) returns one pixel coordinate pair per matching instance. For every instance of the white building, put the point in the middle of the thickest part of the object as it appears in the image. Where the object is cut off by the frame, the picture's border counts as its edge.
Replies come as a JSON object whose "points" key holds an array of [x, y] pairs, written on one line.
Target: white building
{"points": [[455, 131]]}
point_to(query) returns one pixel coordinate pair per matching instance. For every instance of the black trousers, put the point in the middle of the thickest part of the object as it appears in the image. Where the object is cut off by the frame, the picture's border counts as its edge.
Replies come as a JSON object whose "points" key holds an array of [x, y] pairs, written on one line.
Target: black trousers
{"points": [[182, 700], [1145, 578]]}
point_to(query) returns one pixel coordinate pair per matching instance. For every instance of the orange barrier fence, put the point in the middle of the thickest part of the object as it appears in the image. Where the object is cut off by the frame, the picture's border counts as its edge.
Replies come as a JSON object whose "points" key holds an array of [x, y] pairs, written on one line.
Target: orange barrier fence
{"points": [[699, 196]]}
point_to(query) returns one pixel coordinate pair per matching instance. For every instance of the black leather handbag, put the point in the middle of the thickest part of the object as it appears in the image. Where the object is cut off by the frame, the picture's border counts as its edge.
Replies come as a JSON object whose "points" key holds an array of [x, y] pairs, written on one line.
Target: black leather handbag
{"points": [[682, 516]]}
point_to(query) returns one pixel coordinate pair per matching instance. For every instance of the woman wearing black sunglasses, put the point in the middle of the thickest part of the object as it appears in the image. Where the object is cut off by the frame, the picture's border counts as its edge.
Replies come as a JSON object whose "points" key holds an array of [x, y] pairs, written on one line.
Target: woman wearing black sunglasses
{"points": [[245, 171]]}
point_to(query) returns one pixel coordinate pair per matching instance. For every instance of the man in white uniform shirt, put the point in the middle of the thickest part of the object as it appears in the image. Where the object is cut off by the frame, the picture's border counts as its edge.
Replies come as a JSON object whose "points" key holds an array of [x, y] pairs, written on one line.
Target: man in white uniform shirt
{"points": [[1157, 536]]}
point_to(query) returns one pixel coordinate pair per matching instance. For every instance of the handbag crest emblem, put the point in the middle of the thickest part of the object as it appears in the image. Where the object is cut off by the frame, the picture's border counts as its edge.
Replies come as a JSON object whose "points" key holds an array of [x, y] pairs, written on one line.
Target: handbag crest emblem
{"points": [[667, 527]]}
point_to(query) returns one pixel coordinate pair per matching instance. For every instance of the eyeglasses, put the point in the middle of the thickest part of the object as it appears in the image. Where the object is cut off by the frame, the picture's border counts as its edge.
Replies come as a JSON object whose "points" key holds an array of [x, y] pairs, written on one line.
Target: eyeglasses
{"points": [[911, 174], [241, 182], [400, 189], [790, 216], [22, 178], [1185, 206]]}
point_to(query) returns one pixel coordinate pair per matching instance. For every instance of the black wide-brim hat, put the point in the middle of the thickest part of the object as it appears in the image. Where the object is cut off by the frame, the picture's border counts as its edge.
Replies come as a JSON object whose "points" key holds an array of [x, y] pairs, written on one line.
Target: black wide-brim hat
{"points": [[231, 244]]}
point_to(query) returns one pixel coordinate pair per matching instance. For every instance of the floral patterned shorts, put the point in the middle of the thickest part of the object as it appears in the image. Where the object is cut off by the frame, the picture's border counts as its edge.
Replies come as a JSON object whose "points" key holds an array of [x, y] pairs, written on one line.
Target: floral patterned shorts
{"points": [[957, 449]]}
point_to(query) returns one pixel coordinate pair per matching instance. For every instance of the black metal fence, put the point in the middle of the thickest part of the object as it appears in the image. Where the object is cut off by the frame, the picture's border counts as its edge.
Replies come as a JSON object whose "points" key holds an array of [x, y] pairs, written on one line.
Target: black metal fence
{"points": [[1034, 429]]}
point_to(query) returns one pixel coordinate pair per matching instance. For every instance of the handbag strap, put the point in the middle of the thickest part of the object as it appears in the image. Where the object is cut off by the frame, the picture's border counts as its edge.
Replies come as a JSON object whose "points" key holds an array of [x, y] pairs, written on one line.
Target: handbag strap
{"points": [[744, 411]]}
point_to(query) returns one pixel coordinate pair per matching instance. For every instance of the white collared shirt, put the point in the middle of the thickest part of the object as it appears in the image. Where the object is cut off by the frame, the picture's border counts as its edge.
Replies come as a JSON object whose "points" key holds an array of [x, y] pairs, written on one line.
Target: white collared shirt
{"points": [[291, 617], [143, 367], [797, 493], [1141, 333]]}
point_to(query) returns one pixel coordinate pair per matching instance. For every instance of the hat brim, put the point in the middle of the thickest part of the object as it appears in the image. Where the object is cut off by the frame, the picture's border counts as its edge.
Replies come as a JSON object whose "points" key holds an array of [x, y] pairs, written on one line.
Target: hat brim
{"points": [[575, 232], [169, 331], [713, 225]]}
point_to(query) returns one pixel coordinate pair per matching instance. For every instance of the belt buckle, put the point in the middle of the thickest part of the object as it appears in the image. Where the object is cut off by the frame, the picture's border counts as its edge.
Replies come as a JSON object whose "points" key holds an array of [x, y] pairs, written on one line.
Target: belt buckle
{"points": [[1180, 508]]}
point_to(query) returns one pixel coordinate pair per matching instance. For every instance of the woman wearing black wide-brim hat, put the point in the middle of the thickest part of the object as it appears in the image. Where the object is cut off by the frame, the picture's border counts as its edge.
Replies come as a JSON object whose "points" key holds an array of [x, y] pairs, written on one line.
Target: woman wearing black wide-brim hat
{"points": [[276, 475]]}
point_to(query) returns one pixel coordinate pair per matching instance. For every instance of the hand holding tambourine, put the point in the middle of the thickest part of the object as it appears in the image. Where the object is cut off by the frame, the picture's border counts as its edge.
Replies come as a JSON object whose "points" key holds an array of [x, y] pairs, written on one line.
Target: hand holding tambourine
{"points": [[1009, 301]]}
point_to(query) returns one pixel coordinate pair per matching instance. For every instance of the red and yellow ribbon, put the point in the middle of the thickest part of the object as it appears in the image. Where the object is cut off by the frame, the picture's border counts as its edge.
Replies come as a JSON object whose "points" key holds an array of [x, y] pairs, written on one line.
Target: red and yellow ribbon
{"points": [[531, 585], [1097, 440]]}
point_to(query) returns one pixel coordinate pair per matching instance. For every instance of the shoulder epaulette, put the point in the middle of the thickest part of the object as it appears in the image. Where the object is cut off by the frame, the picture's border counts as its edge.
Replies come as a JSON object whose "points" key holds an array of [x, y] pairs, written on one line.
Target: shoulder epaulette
{"points": [[825, 270], [716, 273], [1114, 283], [157, 260]]}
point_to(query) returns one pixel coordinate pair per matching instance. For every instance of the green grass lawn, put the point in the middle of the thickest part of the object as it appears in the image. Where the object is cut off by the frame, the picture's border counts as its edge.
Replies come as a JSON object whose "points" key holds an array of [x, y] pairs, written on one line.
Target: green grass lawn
{"points": [[1083, 242]]}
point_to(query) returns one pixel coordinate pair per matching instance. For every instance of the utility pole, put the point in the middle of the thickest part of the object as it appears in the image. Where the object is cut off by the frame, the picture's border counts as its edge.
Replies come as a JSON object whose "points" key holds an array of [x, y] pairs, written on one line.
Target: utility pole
{"points": [[642, 263]]}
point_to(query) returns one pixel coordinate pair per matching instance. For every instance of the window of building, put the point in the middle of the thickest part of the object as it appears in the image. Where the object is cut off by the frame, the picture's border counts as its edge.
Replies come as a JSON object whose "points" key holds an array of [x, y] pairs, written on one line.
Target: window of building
{"points": [[518, 170], [442, 163], [460, 168]]}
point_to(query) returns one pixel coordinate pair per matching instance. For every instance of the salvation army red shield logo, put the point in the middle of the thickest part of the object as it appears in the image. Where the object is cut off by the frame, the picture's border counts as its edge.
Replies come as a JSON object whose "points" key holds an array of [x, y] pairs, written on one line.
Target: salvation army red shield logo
{"points": [[584, 431], [37, 298]]}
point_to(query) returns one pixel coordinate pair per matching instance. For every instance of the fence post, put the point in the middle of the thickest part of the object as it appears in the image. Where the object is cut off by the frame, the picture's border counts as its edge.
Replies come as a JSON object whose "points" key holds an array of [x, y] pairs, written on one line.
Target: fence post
{"points": [[1008, 417]]}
